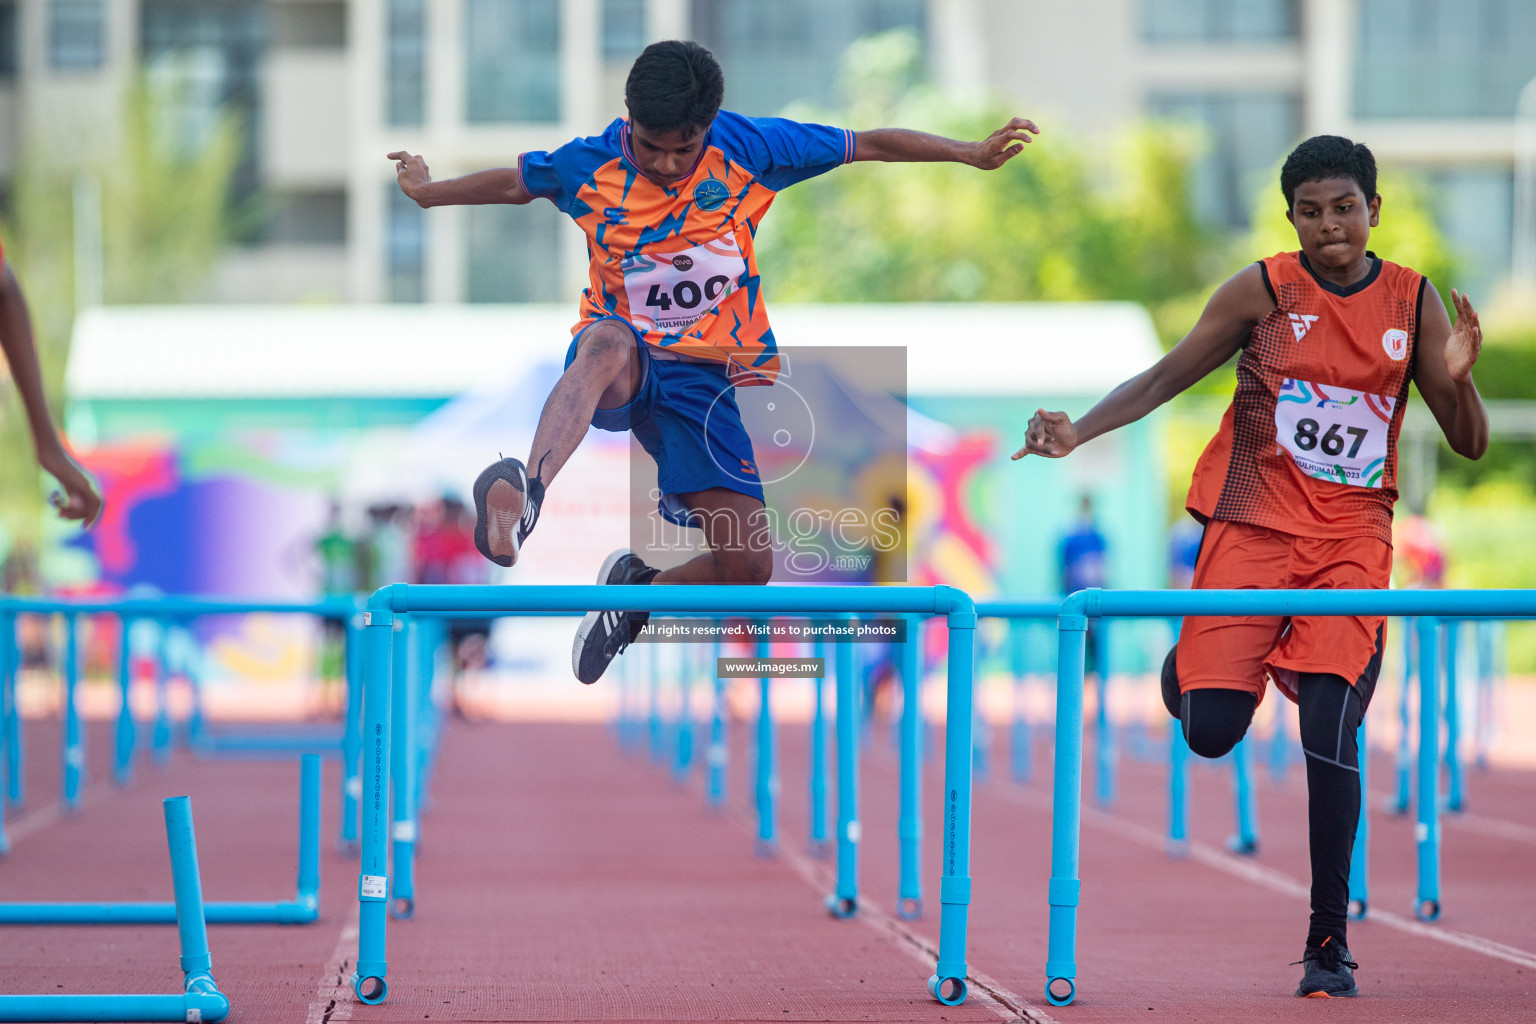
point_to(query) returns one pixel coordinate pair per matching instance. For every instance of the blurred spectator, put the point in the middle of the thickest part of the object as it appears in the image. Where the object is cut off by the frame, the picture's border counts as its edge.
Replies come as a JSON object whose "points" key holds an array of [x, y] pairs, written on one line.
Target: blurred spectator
{"points": [[1184, 539], [1080, 557], [1419, 553], [444, 552], [384, 552]]}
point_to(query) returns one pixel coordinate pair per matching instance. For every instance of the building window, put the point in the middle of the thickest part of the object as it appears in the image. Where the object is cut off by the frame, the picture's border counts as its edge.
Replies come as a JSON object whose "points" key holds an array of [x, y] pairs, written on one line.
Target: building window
{"points": [[623, 28], [204, 58], [406, 248], [513, 253], [77, 35], [790, 50], [1475, 209], [512, 61], [1219, 21], [1443, 58], [1247, 134], [8, 63], [405, 71], [317, 217], [316, 25]]}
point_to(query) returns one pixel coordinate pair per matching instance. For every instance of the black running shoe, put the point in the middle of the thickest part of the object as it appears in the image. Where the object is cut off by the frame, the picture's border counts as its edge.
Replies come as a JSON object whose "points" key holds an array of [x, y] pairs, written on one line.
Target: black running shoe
{"points": [[603, 635], [1327, 972], [1172, 699], [506, 507]]}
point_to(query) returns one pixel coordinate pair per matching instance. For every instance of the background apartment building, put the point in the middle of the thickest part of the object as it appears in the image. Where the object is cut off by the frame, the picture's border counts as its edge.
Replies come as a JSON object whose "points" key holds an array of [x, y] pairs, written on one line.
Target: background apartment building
{"points": [[326, 87]]}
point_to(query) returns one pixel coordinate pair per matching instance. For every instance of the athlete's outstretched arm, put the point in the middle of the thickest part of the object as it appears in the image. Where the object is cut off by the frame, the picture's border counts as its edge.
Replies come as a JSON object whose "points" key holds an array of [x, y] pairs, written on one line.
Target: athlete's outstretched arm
{"points": [[79, 500], [1442, 368], [902, 145], [482, 188], [1225, 323]]}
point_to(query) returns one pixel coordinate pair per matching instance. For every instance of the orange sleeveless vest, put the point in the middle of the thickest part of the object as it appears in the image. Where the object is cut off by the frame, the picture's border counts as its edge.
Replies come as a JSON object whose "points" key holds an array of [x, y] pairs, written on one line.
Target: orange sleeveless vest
{"points": [[1309, 444]]}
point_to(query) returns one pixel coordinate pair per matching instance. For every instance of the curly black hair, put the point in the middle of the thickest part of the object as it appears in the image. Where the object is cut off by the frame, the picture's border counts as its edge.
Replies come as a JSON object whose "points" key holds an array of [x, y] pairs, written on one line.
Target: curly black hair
{"points": [[674, 85], [1328, 156]]}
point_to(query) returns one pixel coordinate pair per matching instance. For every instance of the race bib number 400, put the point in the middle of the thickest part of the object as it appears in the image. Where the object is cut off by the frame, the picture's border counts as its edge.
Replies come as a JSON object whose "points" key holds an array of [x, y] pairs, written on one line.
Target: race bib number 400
{"points": [[671, 291], [1334, 433]]}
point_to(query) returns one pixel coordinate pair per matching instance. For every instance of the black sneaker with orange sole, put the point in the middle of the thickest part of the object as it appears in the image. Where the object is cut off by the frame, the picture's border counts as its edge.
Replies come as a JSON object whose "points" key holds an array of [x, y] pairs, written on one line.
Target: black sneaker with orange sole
{"points": [[1327, 971]]}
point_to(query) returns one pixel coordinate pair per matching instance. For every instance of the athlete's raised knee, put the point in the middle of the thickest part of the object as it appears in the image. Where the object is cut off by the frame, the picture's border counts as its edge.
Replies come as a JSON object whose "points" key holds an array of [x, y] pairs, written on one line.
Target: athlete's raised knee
{"points": [[606, 347], [1216, 720]]}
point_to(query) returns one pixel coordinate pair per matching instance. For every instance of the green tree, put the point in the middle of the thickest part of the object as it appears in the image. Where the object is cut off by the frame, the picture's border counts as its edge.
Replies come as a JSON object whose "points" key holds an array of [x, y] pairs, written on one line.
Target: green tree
{"points": [[1059, 223], [164, 220]]}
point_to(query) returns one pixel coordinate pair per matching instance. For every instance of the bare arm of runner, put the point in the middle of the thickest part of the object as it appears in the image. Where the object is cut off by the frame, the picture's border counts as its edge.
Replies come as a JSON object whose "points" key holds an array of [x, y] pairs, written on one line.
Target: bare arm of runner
{"points": [[482, 188], [1224, 324], [79, 500], [902, 145], [1442, 369]]}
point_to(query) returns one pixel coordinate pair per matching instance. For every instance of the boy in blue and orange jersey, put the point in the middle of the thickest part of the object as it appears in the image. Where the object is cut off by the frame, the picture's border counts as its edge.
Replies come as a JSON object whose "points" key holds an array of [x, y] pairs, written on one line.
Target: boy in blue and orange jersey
{"points": [[79, 499], [1295, 490], [672, 319]]}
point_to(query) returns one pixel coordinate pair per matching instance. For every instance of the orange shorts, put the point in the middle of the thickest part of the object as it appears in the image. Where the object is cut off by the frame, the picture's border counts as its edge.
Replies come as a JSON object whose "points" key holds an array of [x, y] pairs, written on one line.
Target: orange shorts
{"points": [[1242, 653]]}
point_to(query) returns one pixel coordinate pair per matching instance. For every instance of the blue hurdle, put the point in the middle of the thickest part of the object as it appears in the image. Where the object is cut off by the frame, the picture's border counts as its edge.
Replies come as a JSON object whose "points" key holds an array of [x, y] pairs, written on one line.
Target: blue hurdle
{"points": [[302, 909], [200, 998], [948, 984], [1077, 609], [816, 843]]}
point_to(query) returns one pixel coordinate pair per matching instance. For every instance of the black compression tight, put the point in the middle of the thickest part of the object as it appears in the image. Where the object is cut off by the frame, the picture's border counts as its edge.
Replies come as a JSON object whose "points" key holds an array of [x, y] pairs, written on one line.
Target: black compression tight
{"points": [[1330, 713]]}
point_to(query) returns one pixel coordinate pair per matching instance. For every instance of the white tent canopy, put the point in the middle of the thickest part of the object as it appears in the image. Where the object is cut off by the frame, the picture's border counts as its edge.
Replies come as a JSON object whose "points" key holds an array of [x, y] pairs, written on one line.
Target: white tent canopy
{"points": [[186, 352]]}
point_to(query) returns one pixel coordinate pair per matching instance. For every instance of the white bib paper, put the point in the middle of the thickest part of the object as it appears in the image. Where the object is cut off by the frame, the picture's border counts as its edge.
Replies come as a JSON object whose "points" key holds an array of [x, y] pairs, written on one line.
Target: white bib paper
{"points": [[671, 291], [1334, 433]]}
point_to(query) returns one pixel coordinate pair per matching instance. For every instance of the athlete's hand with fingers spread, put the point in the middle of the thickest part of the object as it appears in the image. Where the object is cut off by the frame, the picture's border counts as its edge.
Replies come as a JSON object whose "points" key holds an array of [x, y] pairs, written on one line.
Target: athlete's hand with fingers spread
{"points": [[1004, 144], [410, 171], [1466, 341], [1050, 434]]}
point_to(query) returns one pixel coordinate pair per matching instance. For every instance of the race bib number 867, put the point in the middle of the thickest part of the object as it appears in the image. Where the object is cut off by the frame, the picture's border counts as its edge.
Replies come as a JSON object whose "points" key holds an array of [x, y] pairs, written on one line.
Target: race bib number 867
{"points": [[1334, 433]]}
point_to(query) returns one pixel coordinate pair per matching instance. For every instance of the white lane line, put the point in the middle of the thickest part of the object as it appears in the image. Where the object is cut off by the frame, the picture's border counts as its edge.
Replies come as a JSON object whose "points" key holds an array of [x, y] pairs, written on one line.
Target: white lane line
{"points": [[333, 997], [1007, 1005], [1495, 828], [1277, 881], [35, 821]]}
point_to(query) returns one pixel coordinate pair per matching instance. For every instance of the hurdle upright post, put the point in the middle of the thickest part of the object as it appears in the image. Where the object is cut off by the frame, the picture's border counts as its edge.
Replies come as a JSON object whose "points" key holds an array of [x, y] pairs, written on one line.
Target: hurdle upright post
{"points": [[818, 845], [1359, 881], [1427, 829], [161, 737], [909, 829], [683, 762], [1455, 777], [1178, 790], [352, 730], [844, 901], [368, 981], [122, 754], [1246, 840], [947, 983], [74, 735], [1020, 757], [10, 713], [1066, 802], [766, 789], [719, 752], [1104, 748], [1401, 798], [402, 829]]}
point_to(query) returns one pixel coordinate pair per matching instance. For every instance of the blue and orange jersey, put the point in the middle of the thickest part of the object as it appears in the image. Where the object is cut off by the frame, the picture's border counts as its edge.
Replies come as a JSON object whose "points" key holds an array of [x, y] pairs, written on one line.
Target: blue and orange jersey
{"points": [[677, 261]]}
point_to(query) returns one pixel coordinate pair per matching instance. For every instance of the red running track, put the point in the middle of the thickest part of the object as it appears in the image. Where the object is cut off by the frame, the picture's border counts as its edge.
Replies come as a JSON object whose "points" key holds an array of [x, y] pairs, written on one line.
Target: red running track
{"points": [[561, 880]]}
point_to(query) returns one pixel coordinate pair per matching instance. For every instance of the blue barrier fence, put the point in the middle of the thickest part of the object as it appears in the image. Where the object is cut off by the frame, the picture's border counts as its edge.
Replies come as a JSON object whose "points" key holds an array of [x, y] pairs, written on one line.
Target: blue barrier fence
{"points": [[394, 604], [1079, 608], [200, 998]]}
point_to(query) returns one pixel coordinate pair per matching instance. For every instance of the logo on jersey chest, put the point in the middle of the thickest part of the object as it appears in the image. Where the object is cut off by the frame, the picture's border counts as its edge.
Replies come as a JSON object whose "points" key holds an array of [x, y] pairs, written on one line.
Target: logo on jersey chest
{"points": [[710, 194], [1395, 342], [1301, 323]]}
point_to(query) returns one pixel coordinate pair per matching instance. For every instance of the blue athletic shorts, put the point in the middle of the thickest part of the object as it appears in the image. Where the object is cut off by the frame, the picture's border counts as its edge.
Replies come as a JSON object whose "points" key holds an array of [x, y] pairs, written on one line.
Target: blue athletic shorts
{"points": [[685, 415]]}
